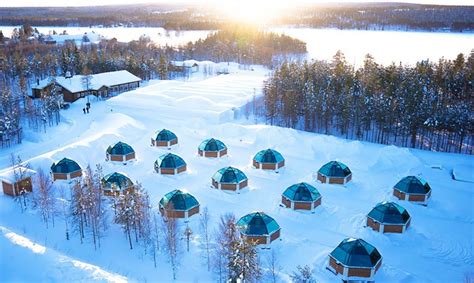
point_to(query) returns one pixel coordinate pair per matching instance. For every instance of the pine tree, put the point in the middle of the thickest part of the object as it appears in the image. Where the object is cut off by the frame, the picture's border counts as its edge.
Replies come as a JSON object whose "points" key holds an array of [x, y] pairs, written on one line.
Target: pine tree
{"points": [[163, 67]]}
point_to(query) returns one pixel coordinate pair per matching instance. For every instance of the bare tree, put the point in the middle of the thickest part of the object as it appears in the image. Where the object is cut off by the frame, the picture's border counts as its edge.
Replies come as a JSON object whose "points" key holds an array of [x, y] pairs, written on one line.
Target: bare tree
{"points": [[304, 274], [273, 266], [187, 235], [124, 215], [225, 236], [204, 225], [43, 196], [468, 278], [63, 209], [86, 80], [87, 207], [155, 239], [133, 212], [20, 172], [78, 208], [171, 238], [244, 263], [95, 211]]}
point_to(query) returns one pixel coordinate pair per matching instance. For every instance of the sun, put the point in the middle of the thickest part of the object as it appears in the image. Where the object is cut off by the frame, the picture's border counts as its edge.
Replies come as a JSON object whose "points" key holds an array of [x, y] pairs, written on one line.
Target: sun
{"points": [[252, 11]]}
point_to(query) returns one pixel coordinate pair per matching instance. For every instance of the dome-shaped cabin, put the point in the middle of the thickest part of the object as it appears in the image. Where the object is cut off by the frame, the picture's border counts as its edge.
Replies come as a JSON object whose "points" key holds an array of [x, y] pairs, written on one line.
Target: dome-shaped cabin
{"points": [[412, 188], [170, 164], [268, 159], [120, 152], [259, 227], [229, 178], [301, 196], [65, 169], [355, 259], [164, 138], [212, 148], [334, 172], [388, 217], [178, 204], [116, 183]]}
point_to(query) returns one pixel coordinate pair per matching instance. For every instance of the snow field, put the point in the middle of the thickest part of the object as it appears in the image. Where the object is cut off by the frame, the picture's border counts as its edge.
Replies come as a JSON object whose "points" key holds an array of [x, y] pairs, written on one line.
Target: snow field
{"points": [[436, 248]]}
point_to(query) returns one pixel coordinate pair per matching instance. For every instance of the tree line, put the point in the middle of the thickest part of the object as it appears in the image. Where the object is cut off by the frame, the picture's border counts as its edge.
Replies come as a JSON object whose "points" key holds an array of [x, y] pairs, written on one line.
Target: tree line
{"points": [[194, 17], [380, 16], [426, 106]]}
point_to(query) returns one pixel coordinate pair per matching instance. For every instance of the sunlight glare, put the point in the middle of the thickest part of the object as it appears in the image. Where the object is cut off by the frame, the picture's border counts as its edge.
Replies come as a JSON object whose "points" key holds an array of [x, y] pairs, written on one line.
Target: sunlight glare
{"points": [[253, 11]]}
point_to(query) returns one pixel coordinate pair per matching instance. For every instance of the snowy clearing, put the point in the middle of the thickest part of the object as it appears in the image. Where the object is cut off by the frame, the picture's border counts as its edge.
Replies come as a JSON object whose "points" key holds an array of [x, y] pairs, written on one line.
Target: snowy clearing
{"points": [[438, 247]]}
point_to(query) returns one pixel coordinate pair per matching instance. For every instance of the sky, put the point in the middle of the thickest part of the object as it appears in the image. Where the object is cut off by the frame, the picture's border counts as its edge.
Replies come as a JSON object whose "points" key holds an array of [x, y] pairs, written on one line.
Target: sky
{"points": [[45, 3]]}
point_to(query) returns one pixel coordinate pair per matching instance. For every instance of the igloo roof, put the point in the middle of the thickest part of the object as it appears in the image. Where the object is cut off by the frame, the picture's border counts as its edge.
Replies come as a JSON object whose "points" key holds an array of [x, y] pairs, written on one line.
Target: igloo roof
{"points": [[413, 185], [178, 200], [335, 169], [257, 224], [302, 192], [116, 181], [212, 145], [170, 161], [389, 213], [65, 166], [120, 148], [268, 156], [229, 175], [165, 135], [356, 253]]}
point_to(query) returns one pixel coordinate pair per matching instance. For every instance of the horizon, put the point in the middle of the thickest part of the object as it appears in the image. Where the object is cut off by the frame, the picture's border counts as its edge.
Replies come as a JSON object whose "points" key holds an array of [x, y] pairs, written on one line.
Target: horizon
{"points": [[91, 3]]}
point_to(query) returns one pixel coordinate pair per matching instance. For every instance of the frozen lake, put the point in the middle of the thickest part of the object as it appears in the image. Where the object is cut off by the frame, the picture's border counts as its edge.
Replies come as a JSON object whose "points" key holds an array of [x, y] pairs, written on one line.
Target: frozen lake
{"points": [[124, 34], [385, 46]]}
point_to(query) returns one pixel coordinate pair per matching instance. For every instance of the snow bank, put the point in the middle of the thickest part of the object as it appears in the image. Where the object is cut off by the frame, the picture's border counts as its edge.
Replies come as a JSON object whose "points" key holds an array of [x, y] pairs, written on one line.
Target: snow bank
{"points": [[44, 264], [464, 172]]}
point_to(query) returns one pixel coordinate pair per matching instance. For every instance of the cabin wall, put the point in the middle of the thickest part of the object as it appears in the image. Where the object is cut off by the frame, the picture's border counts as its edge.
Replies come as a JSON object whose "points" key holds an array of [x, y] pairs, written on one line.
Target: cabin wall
{"points": [[130, 156], [8, 189], [286, 202], [268, 166], [393, 229], [229, 187], [336, 180], [359, 272], [372, 224], [275, 236], [302, 205], [321, 178], [336, 266]]}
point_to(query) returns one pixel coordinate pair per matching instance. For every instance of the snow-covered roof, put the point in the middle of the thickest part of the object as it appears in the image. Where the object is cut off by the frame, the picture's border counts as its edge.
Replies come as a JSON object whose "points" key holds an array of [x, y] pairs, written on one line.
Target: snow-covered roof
{"points": [[187, 63], [9, 176], [75, 83], [42, 84]]}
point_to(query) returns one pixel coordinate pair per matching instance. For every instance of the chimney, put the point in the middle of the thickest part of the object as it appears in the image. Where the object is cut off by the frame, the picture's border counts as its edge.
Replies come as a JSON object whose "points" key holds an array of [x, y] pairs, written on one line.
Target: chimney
{"points": [[37, 81]]}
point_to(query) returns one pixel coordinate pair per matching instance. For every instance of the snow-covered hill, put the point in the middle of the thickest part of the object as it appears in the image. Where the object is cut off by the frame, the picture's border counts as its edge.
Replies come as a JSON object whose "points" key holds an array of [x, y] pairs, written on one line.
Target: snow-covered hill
{"points": [[438, 247]]}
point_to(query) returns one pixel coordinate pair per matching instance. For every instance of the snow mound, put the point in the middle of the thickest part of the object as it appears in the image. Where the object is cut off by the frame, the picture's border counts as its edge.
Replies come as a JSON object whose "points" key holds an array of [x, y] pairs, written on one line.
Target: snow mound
{"points": [[391, 157], [464, 172], [44, 264]]}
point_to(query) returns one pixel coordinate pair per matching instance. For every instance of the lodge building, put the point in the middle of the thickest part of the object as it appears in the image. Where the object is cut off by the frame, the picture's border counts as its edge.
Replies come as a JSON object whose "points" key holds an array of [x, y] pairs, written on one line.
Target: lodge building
{"points": [[75, 87]]}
